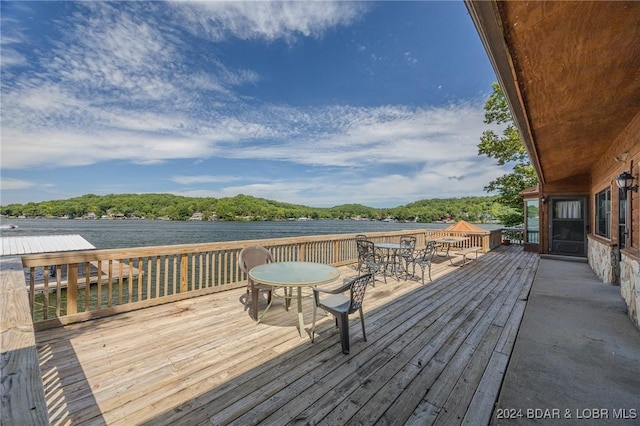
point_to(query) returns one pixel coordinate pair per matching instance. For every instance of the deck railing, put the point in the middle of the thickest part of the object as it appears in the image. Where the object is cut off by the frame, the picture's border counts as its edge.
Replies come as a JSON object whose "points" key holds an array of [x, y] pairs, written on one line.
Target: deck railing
{"points": [[516, 235], [488, 240], [66, 287]]}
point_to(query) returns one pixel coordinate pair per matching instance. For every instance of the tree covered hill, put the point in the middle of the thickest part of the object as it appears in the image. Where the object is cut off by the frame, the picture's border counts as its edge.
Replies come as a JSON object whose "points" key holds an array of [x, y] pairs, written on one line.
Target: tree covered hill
{"points": [[245, 207]]}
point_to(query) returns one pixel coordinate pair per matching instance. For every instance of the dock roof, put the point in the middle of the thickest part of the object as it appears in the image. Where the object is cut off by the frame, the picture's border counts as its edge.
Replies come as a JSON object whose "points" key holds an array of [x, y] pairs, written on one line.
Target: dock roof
{"points": [[463, 225], [12, 246]]}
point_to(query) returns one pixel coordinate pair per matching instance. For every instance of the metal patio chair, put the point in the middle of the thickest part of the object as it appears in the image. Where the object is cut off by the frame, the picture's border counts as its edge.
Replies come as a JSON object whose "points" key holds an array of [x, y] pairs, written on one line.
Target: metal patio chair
{"points": [[360, 237], [423, 259], [408, 244], [371, 260]]}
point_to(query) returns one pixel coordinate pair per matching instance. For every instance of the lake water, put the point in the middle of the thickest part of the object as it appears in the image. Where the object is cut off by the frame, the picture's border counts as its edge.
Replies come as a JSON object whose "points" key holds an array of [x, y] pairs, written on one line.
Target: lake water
{"points": [[105, 234]]}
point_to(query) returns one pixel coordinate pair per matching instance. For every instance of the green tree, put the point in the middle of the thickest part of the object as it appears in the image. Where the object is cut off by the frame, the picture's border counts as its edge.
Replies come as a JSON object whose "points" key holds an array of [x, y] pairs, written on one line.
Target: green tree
{"points": [[506, 148]]}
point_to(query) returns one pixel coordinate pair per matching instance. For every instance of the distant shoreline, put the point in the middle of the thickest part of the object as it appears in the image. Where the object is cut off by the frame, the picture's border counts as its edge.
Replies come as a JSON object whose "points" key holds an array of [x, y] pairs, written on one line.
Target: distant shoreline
{"points": [[444, 222], [107, 234]]}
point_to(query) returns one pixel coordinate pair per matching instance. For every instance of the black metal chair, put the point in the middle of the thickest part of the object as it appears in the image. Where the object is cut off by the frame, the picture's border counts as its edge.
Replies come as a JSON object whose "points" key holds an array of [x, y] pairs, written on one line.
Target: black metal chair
{"points": [[360, 237], [249, 258], [423, 259], [408, 247], [340, 306], [370, 259]]}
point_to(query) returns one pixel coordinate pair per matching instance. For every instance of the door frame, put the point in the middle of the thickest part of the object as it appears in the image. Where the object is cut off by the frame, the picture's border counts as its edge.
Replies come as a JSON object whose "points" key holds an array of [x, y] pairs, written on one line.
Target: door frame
{"points": [[585, 223]]}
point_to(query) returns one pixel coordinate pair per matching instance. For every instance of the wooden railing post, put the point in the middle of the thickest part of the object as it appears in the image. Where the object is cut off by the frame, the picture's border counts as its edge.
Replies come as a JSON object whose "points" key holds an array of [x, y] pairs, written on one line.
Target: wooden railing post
{"points": [[184, 272], [72, 288]]}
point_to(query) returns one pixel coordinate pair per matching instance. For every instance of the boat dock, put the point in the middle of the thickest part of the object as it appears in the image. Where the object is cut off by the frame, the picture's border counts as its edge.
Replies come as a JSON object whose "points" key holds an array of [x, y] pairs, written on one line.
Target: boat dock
{"points": [[22, 245], [15, 246]]}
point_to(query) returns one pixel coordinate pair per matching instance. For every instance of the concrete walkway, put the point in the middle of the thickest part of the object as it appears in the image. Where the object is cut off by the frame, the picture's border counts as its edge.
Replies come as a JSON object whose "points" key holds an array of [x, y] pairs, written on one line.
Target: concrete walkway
{"points": [[576, 359]]}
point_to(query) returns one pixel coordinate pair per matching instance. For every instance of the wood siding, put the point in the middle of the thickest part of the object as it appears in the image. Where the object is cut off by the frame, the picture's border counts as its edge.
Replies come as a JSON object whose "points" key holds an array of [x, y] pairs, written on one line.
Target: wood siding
{"points": [[622, 155]]}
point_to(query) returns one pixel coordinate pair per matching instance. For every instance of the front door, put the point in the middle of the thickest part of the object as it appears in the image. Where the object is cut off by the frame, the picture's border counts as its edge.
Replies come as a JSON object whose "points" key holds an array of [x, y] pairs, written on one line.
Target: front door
{"points": [[568, 226]]}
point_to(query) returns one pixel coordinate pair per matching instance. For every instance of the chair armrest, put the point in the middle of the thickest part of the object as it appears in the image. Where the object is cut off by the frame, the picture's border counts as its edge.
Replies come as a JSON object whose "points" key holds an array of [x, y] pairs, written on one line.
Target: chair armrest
{"points": [[318, 290], [342, 289]]}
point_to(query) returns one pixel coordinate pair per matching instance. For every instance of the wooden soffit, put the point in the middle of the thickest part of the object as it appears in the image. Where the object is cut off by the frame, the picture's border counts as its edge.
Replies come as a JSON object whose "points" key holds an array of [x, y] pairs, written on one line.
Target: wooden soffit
{"points": [[570, 71]]}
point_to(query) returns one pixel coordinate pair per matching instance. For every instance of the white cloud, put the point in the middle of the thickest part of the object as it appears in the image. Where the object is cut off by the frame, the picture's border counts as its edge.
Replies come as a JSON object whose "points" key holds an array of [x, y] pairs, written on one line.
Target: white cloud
{"points": [[332, 136], [268, 20], [343, 186], [8, 183], [74, 148], [383, 135], [11, 57], [189, 180]]}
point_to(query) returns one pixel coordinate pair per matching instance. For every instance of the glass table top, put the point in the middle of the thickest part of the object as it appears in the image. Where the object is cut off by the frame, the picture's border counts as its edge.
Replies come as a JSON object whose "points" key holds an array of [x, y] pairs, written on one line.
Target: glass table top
{"points": [[294, 273]]}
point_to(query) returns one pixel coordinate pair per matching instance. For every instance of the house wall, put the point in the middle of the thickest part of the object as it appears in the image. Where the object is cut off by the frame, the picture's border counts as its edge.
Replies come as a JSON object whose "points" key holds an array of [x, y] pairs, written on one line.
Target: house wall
{"points": [[602, 259], [622, 155], [604, 256], [630, 286]]}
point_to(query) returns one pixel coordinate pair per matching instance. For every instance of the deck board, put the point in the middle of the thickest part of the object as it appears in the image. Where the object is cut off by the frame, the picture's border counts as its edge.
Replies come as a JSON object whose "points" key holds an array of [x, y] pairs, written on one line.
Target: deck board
{"points": [[434, 354]]}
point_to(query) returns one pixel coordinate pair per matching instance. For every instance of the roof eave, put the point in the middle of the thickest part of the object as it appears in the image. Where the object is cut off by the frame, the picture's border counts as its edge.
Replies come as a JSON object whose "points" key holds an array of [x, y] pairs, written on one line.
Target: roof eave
{"points": [[486, 18]]}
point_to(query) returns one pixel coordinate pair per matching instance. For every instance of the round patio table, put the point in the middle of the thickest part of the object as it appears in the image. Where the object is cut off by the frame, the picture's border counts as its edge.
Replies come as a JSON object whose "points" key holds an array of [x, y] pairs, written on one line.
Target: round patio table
{"points": [[447, 242], [391, 256], [294, 275]]}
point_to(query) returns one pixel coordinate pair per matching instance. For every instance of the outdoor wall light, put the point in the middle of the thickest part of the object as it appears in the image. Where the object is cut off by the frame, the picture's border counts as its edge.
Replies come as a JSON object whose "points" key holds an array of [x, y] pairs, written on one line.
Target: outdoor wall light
{"points": [[543, 199], [625, 182]]}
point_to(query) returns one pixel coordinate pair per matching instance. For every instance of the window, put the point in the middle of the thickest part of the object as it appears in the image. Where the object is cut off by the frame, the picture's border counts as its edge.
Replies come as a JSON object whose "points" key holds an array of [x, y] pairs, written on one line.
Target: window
{"points": [[532, 221], [603, 213]]}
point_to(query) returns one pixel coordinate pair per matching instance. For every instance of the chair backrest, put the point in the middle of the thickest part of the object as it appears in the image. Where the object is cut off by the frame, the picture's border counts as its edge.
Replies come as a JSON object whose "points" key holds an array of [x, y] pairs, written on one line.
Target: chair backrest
{"points": [[361, 244], [357, 289], [428, 252], [408, 244], [366, 250], [252, 256], [361, 237]]}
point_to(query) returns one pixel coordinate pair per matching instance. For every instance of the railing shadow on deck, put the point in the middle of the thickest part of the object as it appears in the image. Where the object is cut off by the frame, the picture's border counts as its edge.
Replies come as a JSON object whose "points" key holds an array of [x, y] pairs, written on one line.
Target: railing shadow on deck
{"points": [[54, 378]]}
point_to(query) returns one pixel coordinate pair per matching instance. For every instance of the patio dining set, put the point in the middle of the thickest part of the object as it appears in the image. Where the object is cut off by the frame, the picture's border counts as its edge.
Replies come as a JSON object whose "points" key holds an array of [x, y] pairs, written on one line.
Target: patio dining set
{"points": [[398, 258], [375, 259]]}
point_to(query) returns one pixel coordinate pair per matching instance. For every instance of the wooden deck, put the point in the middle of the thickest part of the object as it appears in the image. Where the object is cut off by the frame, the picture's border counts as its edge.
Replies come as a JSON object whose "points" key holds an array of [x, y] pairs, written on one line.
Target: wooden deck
{"points": [[435, 354]]}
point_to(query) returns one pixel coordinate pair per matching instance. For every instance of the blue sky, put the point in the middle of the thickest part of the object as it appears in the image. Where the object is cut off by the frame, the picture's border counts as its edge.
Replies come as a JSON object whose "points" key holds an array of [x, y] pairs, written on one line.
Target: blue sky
{"points": [[315, 103]]}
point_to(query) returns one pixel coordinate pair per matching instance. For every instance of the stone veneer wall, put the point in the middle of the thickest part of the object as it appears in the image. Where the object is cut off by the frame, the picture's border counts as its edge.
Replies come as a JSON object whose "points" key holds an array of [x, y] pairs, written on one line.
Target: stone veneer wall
{"points": [[602, 260], [630, 286]]}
